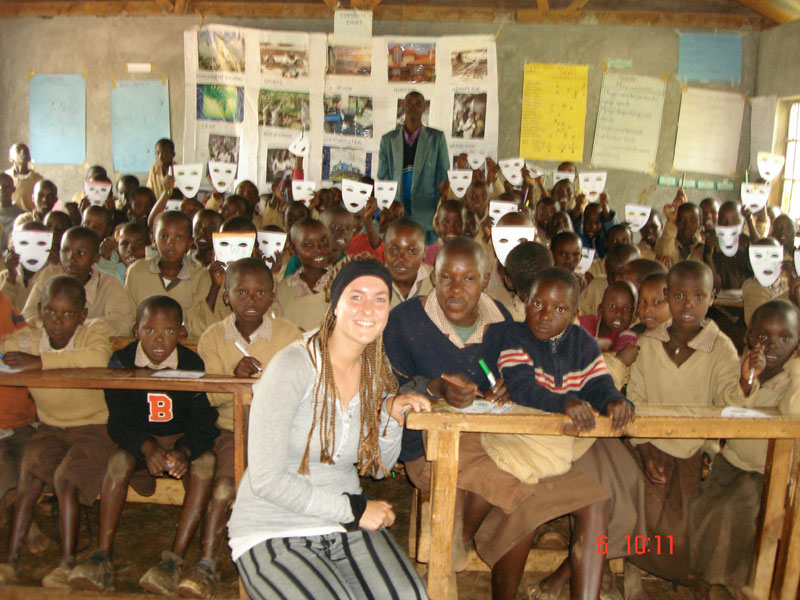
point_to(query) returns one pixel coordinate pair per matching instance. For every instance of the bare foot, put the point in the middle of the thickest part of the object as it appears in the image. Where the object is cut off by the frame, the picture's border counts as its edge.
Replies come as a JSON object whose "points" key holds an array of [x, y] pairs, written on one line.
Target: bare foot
{"points": [[632, 581]]}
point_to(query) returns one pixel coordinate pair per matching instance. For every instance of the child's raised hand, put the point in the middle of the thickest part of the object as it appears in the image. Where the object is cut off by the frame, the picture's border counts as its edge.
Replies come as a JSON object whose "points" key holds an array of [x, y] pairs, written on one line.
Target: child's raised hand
{"points": [[371, 208], [628, 354], [177, 463], [107, 247], [11, 260], [155, 458], [277, 262], [621, 413], [399, 405], [461, 161], [654, 468], [492, 169], [459, 394], [581, 413], [580, 200], [499, 393], [755, 362], [603, 201], [248, 367], [217, 271], [444, 188], [169, 182], [23, 361]]}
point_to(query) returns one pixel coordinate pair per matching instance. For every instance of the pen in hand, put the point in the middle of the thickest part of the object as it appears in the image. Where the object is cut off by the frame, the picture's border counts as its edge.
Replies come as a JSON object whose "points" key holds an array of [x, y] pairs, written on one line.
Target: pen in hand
{"points": [[243, 351]]}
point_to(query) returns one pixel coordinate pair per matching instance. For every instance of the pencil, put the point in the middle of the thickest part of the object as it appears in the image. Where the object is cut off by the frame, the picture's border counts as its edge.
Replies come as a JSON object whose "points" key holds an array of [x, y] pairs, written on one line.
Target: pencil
{"points": [[457, 383]]}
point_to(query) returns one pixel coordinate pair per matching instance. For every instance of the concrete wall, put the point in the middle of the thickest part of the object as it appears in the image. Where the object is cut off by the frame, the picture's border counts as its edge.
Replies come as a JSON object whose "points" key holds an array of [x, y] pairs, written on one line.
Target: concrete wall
{"points": [[104, 45], [779, 61]]}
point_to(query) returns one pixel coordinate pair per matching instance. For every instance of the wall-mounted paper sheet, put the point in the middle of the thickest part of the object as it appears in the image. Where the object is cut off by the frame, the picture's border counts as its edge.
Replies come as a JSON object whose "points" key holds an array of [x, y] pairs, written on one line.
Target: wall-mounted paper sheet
{"points": [[710, 57], [139, 117], [762, 126], [708, 132], [553, 112], [57, 119], [628, 122]]}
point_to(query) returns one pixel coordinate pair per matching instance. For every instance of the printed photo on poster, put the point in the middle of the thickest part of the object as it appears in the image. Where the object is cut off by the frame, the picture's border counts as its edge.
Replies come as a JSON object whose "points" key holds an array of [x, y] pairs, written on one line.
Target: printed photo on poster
{"points": [[469, 116], [220, 103], [220, 51], [401, 117], [279, 161], [342, 163], [412, 62], [348, 115], [288, 110], [349, 60], [223, 148], [469, 65], [288, 61]]}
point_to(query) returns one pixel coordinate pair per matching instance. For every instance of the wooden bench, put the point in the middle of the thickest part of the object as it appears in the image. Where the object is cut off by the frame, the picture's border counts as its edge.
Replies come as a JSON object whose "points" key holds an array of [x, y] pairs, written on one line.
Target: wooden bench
{"points": [[776, 571]]}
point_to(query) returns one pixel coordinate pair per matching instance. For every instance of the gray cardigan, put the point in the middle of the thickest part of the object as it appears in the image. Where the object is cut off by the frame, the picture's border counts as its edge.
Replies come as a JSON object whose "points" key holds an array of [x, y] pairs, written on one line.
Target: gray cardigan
{"points": [[273, 499]]}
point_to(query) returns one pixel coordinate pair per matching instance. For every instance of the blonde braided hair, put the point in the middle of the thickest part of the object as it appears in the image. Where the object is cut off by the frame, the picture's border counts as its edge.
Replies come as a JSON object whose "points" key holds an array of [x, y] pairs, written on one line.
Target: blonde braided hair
{"points": [[376, 382]]}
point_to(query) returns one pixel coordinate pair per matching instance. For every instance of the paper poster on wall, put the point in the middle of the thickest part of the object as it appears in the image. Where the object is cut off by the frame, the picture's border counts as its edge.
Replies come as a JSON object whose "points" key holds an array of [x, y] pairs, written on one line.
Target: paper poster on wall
{"points": [[710, 57], [345, 163], [553, 112], [411, 61], [348, 116], [57, 119], [139, 117], [628, 122], [708, 132], [762, 126]]}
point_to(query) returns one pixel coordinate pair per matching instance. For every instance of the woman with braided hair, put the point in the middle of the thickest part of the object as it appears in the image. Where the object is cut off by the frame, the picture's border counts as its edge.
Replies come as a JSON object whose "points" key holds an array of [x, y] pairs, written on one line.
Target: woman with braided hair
{"points": [[324, 411]]}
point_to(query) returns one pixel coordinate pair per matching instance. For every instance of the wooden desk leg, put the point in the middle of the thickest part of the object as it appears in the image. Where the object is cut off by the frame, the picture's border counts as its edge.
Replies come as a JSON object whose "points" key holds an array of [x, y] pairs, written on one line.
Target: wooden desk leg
{"points": [[238, 436], [443, 503], [787, 576], [776, 477]]}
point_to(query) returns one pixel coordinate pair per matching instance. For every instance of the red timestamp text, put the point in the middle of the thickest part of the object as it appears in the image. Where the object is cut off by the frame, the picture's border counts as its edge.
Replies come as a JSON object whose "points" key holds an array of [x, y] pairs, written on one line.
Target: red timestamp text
{"points": [[641, 544]]}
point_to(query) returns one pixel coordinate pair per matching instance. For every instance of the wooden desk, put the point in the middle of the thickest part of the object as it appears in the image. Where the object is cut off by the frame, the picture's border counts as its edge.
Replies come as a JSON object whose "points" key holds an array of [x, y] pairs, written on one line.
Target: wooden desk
{"points": [[444, 428]]}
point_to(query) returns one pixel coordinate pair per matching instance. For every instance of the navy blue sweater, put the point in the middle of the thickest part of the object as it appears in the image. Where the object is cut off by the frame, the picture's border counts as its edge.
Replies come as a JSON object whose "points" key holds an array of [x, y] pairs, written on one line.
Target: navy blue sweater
{"points": [[548, 374], [135, 416], [417, 348]]}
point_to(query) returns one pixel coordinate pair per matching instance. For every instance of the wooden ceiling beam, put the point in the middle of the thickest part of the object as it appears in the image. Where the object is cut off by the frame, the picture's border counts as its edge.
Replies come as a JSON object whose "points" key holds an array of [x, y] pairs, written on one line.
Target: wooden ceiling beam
{"points": [[644, 18], [275, 10], [96, 8], [167, 6], [769, 10], [577, 4], [182, 7]]}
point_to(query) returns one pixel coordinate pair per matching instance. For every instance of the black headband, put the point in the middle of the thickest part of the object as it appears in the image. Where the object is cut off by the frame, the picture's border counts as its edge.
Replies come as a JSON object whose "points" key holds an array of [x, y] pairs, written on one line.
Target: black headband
{"points": [[354, 270]]}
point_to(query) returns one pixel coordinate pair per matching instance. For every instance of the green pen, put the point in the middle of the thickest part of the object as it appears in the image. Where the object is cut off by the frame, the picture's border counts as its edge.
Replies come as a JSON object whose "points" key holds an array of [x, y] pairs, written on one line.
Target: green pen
{"points": [[489, 376]]}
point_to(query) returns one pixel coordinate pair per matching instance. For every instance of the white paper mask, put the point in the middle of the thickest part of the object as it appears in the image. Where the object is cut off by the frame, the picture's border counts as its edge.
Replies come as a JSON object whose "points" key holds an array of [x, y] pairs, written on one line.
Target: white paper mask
{"points": [[303, 191], [460, 180], [512, 170], [188, 178], [498, 208], [230, 247], [270, 242], [505, 239], [559, 175], [769, 165], [766, 262], [385, 192], [534, 170], [636, 216], [592, 184], [355, 195], [728, 237], [587, 256], [475, 160], [97, 191], [299, 145], [172, 205], [755, 195], [222, 175], [33, 248]]}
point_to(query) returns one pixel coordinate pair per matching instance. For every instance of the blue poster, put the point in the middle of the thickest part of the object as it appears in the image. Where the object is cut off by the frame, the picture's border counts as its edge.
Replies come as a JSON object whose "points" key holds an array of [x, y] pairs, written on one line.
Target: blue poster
{"points": [[710, 57], [139, 118], [57, 119]]}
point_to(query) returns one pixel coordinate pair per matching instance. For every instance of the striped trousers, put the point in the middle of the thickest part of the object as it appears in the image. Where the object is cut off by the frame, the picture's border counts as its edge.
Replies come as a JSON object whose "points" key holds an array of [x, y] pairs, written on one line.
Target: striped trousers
{"points": [[343, 566]]}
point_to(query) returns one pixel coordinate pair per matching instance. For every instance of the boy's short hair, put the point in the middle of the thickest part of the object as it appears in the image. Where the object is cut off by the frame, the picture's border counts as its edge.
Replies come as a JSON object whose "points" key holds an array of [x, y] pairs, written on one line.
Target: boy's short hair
{"points": [[407, 223], [775, 307], [164, 303], [207, 212], [166, 143], [137, 228], [642, 268], [366, 179], [30, 225], [244, 265], [658, 276], [621, 285], [594, 207], [687, 207], [83, 233], [691, 268], [129, 180], [296, 204], [301, 223], [730, 205], [238, 225], [100, 210], [452, 205], [97, 173], [145, 191], [65, 219], [559, 184], [462, 245], [563, 237], [64, 284], [332, 211], [623, 253], [524, 262], [174, 216], [242, 202], [557, 274], [617, 227], [273, 227]]}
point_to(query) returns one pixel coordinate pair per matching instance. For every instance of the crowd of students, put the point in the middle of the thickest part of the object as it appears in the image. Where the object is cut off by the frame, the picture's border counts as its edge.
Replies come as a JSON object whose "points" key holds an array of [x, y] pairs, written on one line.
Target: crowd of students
{"points": [[638, 327]]}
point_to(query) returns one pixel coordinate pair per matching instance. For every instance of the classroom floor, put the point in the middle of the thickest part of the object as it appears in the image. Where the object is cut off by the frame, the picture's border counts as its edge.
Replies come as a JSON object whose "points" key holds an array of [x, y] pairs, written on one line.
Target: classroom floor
{"points": [[147, 529]]}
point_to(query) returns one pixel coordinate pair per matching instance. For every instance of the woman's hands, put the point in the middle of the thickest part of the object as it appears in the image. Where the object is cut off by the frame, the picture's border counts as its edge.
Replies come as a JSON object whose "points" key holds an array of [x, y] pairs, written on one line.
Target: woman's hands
{"points": [[378, 514], [399, 405]]}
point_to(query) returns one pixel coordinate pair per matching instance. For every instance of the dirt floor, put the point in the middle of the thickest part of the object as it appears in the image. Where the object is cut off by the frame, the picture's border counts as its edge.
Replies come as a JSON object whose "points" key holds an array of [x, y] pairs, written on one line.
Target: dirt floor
{"points": [[147, 529]]}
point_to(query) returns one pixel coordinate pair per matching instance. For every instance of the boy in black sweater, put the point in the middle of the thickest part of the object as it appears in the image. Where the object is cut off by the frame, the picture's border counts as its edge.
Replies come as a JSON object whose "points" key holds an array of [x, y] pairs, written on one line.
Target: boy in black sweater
{"points": [[158, 433]]}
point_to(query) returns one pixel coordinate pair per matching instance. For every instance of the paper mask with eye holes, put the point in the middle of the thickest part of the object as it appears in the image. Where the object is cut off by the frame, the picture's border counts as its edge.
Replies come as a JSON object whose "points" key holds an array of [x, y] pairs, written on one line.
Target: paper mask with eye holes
{"points": [[97, 191], [766, 262], [33, 248], [559, 175], [755, 196], [385, 192], [188, 178], [303, 191], [355, 194], [460, 180], [728, 236], [222, 175], [270, 243], [299, 145], [592, 184], [230, 247], [475, 161], [512, 170], [498, 208], [505, 239], [636, 216], [534, 170], [769, 165], [587, 256], [173, 205]]}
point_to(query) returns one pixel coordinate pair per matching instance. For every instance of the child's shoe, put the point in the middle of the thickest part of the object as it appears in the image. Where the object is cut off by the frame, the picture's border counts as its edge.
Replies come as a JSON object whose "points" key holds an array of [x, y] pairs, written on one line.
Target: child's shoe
{"points": [[163, 578], [202, 583], [57, 579], [96, 574]]}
